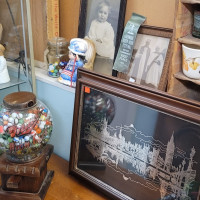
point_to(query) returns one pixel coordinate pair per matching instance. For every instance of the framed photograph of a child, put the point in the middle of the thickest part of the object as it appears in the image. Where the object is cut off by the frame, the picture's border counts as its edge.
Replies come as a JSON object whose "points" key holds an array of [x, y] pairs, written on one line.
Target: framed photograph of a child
{"points": [[150, 58], [102, 21]]}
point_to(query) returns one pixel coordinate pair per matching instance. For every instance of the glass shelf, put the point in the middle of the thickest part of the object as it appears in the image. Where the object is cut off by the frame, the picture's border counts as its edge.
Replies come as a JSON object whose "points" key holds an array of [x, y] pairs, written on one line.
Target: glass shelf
{"points": [[13, 82]]}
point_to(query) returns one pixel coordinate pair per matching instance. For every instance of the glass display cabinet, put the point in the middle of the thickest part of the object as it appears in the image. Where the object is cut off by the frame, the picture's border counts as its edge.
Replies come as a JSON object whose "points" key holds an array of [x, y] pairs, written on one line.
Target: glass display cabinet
{"points": [[16, 37]]}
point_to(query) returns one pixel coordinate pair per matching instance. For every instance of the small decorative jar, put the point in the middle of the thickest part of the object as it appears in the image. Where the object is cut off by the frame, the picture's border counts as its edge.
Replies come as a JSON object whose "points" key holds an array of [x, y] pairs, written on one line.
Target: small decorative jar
{"points": [[191, 61], [58, 52], [196, 24], [25, 126]]}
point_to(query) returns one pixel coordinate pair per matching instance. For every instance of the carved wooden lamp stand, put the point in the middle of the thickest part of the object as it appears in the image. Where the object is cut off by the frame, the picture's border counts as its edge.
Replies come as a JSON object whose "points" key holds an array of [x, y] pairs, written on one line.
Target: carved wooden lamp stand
{"points": [[26, 180]]}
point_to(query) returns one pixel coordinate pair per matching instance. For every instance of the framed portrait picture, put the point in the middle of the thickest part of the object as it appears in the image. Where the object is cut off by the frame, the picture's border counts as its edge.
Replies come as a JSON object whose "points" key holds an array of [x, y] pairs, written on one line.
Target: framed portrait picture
{"points": [[150, 58], [131, 143], [102, 21]]}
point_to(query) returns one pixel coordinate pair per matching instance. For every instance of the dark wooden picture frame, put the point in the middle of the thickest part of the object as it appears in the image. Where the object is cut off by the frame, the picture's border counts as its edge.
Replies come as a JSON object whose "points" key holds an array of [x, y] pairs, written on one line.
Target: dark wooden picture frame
{"points": [[120, 149], [84, 18], [160, 38]]}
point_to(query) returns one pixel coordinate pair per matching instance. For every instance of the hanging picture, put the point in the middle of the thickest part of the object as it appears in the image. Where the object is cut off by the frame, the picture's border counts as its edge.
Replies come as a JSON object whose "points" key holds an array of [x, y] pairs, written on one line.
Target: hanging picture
{"points": [[134, 144], [102, 21]]}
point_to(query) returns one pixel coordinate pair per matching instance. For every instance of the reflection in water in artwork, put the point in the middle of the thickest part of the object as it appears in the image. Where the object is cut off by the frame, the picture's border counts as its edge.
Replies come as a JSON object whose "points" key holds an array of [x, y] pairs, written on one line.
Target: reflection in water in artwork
{"points": [[143, 157]]}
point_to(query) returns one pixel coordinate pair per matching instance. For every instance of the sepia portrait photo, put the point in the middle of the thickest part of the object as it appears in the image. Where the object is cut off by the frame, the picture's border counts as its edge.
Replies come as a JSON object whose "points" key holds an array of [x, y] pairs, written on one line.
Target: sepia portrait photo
{"points": [[102, 22]]}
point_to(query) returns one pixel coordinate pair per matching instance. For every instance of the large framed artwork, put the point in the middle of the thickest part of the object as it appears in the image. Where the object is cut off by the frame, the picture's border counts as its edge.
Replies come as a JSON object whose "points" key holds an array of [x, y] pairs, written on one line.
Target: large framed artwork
{"points": [[102, 21], [132, 143]]}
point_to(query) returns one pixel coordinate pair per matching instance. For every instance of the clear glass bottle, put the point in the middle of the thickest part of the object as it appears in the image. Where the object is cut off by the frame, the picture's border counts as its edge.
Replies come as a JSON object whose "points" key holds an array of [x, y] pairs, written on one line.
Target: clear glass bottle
{"points": [[58, 52], [196, 24]]}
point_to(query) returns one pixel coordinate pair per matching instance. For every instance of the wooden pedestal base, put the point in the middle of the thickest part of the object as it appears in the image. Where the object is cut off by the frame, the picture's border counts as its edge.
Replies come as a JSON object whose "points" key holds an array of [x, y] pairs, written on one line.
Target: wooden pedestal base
{"points": [[13, 195], [27, 181]]}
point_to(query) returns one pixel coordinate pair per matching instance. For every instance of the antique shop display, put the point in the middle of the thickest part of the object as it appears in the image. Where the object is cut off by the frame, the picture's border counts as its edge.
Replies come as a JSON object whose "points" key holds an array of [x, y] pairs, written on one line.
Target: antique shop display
{"points": [[4, 76], [103, 22], [127, 43], [57, 55], [191, 61], [127, 136], [25, 126]]}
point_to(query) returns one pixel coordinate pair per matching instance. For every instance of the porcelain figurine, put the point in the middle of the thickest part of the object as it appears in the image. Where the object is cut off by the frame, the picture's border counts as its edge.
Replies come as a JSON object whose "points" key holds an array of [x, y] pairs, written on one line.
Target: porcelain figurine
{"points": [[77, 52], [4, 76]]}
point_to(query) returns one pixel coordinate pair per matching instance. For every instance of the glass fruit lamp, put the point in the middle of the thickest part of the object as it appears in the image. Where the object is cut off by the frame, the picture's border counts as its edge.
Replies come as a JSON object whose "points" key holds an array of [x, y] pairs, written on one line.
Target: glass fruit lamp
{"points": [[25, 126]]}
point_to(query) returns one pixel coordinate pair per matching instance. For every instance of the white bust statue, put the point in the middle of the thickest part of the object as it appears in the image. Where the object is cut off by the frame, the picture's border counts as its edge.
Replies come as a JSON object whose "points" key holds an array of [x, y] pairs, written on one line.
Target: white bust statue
{"points": [[4, 76]]}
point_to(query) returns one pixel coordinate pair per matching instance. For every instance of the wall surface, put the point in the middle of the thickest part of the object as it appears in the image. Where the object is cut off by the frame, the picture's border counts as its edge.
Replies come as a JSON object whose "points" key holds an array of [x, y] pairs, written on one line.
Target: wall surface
{"points": [[158, 13], [61, 104]]}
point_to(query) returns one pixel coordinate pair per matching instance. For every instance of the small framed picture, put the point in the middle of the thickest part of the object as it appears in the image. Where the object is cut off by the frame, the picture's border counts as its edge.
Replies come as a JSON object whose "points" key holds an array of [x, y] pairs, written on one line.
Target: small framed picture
{"points": [[102, 21], [150, 58]]}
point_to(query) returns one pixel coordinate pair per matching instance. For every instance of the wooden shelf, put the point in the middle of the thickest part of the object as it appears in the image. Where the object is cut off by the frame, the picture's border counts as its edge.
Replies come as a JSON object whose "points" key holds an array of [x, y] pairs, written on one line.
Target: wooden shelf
{"points": [[189, 39], [181, 76], [190, 1]]}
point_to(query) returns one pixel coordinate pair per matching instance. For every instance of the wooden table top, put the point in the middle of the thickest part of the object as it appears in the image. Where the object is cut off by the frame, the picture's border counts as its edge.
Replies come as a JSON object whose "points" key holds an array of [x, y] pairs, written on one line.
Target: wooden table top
{"points": [[67, 187]]}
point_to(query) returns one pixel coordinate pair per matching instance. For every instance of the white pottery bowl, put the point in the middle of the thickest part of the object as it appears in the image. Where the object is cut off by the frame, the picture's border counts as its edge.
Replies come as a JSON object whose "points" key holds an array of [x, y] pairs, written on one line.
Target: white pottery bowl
{"points": [[191, 61]]}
